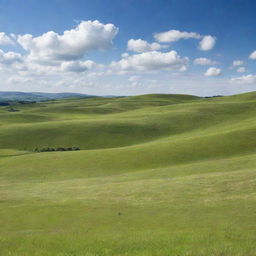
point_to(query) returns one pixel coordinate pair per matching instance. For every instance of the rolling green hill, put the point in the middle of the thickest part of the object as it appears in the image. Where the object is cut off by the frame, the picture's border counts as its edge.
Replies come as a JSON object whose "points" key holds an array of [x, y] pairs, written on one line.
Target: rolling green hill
{"points": [[156, 175]]}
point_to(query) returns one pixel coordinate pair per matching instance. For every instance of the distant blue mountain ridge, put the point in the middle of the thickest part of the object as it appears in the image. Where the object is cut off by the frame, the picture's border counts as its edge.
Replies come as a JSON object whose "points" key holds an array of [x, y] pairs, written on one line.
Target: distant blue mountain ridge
{"points": [[39, 96]]}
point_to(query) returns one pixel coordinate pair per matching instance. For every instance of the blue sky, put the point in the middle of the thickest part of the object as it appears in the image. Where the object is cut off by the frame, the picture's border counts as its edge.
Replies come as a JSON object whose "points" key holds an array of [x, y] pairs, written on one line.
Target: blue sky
{"points": [[128, 47]]}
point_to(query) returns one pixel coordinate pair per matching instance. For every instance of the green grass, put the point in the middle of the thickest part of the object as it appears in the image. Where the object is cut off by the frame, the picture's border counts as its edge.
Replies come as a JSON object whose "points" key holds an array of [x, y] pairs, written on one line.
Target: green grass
{"points": [[157, 175]]}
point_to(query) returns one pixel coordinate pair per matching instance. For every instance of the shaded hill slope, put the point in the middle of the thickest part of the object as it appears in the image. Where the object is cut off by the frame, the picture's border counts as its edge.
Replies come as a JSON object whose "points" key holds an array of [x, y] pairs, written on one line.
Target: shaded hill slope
{"points": [[110, 123]]}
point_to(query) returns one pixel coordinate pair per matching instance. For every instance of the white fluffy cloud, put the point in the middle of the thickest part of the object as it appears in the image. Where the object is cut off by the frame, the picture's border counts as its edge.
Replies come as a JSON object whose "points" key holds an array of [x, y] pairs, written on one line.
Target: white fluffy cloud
{"points": [[9, 58], [241, 70], [150, 61], [213, 72], [58, 62], [4, 39], [207, 43], [140, 45], [253, 55], [237, 63], [204, 62], [77, 66], [72, 44], [175, 35], [125, 55], [247, 79], [134, 81]]}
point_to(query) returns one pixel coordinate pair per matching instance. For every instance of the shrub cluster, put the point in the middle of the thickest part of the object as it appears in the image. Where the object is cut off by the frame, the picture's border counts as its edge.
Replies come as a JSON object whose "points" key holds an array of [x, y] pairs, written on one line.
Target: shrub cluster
{"points": [[26, 101], [215, 96], [4, 104], [56, 149], [13, 110]]}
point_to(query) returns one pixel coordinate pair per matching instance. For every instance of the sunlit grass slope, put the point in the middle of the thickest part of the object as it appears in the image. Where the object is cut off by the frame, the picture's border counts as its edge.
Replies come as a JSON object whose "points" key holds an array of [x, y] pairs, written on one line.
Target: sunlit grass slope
{"points": [[156, 175]]}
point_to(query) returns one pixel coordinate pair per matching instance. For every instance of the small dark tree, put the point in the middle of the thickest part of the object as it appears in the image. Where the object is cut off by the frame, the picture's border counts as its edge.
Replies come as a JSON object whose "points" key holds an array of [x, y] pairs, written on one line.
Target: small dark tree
{"points": [[48, 149]]}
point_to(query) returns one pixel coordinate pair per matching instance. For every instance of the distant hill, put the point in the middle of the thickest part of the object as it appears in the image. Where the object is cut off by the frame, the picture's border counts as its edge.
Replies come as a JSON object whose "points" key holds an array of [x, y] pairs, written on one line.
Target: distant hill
{"points": [[39, 96]]}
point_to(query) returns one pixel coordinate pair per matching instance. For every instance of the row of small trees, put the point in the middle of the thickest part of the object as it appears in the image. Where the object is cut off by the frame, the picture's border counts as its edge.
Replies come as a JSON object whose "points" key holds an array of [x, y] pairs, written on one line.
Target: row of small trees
{"points": [[47, 149]]}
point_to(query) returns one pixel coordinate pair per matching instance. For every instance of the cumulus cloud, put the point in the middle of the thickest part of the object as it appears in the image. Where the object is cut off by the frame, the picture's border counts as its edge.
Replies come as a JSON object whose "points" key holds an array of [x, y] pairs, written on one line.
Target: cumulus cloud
{"points": [[133, 78], [237, 63], [125, 55], [246, 79], [213, 72], [57, 61], [150, 61], [140, 45], [241, 70], [77, 66], [175, 35], [72, 44], [183, 68], [134, 81], [204, 62], [8, 58], [207, 43], [5, 40], [253, 55], [19, 79]]}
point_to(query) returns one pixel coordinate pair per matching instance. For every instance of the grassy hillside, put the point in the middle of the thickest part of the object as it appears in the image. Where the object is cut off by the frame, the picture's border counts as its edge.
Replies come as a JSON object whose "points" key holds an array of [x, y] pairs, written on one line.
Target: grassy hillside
{"points": [[156, 175]]}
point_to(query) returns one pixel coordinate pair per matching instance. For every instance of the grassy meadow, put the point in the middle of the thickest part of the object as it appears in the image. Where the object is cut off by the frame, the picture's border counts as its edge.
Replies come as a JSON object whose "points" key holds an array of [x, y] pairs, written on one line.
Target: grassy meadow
{"points": [[157, 175]]}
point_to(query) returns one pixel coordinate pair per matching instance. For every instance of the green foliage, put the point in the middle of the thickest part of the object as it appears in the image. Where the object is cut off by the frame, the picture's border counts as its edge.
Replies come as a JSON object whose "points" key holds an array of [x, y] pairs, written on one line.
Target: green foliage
{"points": [[47, 149]]}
